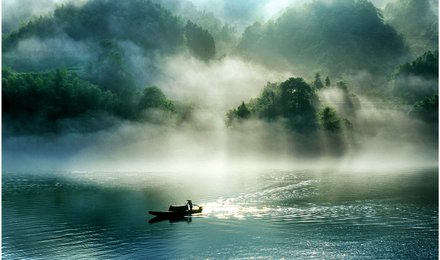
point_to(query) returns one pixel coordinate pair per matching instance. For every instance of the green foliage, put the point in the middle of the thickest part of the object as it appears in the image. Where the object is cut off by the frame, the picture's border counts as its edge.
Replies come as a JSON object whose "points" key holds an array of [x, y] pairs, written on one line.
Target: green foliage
{"points": [[425, 66], [141, 21], [416, 20], [266, 106], [297, 103], [329, 119], [154, 98], [243, 112], [318, 83], [292, 100], [416, 80], [426, 109], [416, 83], [238, 114], [51, 97], [103, 29], [118, 44], [110, 71], [37, 103], [199, 41], [327, 81], [336, 36], [42, 26], [225, 36]]}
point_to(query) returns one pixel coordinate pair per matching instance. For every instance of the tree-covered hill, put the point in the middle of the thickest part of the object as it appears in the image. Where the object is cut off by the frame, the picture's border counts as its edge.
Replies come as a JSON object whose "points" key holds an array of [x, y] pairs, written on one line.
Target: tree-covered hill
{"points": [[295, 105], [417, 21], [111, 40], [416, 83], [335, 37], [294, 102], [142, 22], [57, 101]]}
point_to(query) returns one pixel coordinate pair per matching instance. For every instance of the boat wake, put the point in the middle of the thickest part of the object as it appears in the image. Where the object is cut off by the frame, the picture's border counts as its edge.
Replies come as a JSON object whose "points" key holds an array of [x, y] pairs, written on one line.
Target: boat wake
{"points": [[261, 203]]}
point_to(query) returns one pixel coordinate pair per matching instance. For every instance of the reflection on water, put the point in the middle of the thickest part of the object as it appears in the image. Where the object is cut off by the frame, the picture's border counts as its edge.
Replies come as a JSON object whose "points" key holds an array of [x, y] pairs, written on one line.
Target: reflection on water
{"points": [[171, 220], [228, 208], [273, 213]]}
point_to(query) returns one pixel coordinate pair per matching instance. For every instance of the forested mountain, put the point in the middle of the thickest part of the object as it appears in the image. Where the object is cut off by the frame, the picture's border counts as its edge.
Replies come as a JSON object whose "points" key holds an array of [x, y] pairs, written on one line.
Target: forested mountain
{"points": [[102, 52], [109, 41], [137, 21], [225, 35], [416, 83], [336, 37], [295, 101], [417, 21]]}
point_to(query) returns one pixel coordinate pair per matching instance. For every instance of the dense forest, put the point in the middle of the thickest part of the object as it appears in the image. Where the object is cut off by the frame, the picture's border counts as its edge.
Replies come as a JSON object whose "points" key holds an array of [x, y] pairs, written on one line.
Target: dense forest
{"points": [[92, 66], [47, 102], [297, 101], [335, 38]]}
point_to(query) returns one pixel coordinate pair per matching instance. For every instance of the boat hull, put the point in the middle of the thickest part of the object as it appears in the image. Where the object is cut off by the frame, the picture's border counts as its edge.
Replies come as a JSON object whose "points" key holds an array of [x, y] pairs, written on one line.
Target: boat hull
{"points": [[175, 214]]}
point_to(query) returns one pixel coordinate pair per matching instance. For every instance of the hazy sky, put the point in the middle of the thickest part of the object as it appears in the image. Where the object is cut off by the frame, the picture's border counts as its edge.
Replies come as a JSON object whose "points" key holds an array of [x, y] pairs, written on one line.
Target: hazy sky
{"points": [[239, 13]]}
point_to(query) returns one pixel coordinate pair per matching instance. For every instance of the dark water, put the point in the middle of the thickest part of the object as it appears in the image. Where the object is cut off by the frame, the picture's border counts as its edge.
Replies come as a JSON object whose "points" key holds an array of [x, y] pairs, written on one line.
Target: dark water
{"points": [[267, 214]]}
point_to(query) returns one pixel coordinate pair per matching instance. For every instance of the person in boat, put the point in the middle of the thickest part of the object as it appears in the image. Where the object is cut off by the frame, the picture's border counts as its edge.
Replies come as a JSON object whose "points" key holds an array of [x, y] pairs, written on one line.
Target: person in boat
{"points": [[190, 205]]}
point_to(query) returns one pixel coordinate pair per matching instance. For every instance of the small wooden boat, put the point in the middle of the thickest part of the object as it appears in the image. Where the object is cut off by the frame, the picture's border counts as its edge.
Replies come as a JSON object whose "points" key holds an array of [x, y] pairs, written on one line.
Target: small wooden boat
{"points": [[178, 211]]}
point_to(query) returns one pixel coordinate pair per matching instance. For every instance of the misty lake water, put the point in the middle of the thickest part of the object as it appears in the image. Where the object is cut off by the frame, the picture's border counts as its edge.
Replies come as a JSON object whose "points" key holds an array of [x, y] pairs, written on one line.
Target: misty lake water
{"points": [[269, 214]]}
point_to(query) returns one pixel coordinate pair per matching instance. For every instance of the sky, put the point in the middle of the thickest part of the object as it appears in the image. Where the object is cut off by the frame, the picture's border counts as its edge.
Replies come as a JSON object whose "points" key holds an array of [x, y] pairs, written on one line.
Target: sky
{"points": [[238, 13]]}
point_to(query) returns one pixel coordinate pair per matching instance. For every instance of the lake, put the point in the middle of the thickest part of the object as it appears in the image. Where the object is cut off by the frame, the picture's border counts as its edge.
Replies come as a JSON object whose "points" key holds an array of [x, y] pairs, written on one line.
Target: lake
{"points": [[250, 214]]}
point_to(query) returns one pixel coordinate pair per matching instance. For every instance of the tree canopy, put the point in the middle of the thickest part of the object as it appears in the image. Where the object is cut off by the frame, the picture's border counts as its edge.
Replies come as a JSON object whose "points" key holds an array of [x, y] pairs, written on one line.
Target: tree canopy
{"points": [[154, 98], [108, 41], [417, 79], [292, 100], [35, 103], [329, 119], [141, 21], [340, 36], [199, 41], [39, 101]]}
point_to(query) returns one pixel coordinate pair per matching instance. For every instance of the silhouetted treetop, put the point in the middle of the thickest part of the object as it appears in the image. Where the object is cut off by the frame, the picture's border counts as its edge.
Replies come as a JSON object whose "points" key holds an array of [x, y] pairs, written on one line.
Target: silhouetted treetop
{"points": [[329, 119], [292, 100], [140, 21], [199, 41], [425, 66], [154, 98], [418, 79]]}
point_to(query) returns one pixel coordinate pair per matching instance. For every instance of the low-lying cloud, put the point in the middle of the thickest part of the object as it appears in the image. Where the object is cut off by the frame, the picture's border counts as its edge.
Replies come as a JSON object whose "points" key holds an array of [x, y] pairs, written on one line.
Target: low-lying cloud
{"points": [[220, 84]]}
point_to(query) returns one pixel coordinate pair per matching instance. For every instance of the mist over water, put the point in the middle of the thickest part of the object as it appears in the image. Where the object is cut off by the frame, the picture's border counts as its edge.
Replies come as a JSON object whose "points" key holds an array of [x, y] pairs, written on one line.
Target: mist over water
{"points": [[153, 147], [384, 136]]}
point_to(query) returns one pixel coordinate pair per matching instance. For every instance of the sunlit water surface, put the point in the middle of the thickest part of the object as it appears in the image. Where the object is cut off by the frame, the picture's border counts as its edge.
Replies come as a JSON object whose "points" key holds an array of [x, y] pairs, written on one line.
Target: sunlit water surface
{"points": [[269, 214]]}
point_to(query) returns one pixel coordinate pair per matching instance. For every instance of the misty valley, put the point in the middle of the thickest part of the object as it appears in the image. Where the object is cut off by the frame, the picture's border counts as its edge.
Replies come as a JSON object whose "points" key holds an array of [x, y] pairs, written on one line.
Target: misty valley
{"points": [[304, 128]]}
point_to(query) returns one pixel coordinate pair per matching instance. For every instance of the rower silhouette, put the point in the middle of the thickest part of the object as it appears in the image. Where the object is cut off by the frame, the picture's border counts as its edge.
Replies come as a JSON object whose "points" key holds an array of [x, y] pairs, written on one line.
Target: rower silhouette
{"points": [[190, 205]]}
